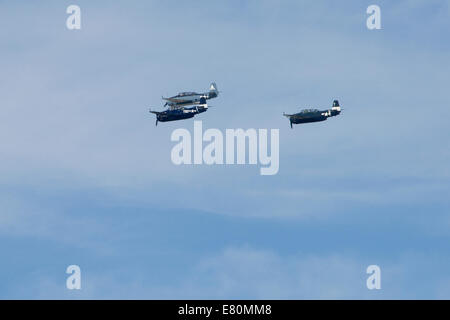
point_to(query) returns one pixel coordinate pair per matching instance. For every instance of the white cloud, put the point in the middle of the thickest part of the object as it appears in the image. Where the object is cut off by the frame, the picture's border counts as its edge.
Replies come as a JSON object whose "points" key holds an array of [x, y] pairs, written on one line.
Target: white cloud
{"points": [[245, 273]]}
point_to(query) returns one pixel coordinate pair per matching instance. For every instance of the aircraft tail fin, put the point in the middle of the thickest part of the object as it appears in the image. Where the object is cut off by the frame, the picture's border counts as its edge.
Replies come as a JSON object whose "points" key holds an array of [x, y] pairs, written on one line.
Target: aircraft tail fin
{"points": [[213, 92], [213, 87], [336, 106]]}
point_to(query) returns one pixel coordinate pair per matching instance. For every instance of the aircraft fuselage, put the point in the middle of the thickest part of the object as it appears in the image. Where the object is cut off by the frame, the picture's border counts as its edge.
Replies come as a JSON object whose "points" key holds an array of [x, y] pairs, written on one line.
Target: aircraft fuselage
{"points": [[310, 117], [179, 114]]}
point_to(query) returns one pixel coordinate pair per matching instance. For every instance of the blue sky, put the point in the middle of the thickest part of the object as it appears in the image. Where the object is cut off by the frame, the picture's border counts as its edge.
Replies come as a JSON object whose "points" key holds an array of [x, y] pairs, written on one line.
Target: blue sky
{"points": [[86, 177]]}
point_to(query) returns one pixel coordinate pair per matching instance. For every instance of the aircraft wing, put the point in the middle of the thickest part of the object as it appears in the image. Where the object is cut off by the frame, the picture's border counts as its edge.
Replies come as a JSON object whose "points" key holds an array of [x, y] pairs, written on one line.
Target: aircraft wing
{"points": [[172, 99], [155, 112], [185, 99], [179, 100]]}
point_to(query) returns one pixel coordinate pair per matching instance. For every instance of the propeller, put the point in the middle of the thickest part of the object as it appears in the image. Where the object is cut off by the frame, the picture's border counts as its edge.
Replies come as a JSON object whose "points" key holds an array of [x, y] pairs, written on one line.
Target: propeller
{"points": [[156, 113]]}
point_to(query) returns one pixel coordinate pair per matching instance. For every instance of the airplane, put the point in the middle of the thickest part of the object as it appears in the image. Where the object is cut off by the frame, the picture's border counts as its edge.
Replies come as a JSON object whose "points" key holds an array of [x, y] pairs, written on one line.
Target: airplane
{"points": [[190, 98], [180, 113], [314, 115]]}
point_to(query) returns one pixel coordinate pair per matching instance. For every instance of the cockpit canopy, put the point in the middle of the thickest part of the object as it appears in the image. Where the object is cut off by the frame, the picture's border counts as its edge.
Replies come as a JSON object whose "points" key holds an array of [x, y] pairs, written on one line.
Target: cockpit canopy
{"points": [[182, 94], [309, 110]]}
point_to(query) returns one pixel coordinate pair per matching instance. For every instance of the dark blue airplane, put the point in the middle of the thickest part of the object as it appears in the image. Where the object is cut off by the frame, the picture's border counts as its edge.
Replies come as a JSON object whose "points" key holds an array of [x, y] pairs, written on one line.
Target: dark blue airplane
{"points": [[180, 113], [314, 115]]}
